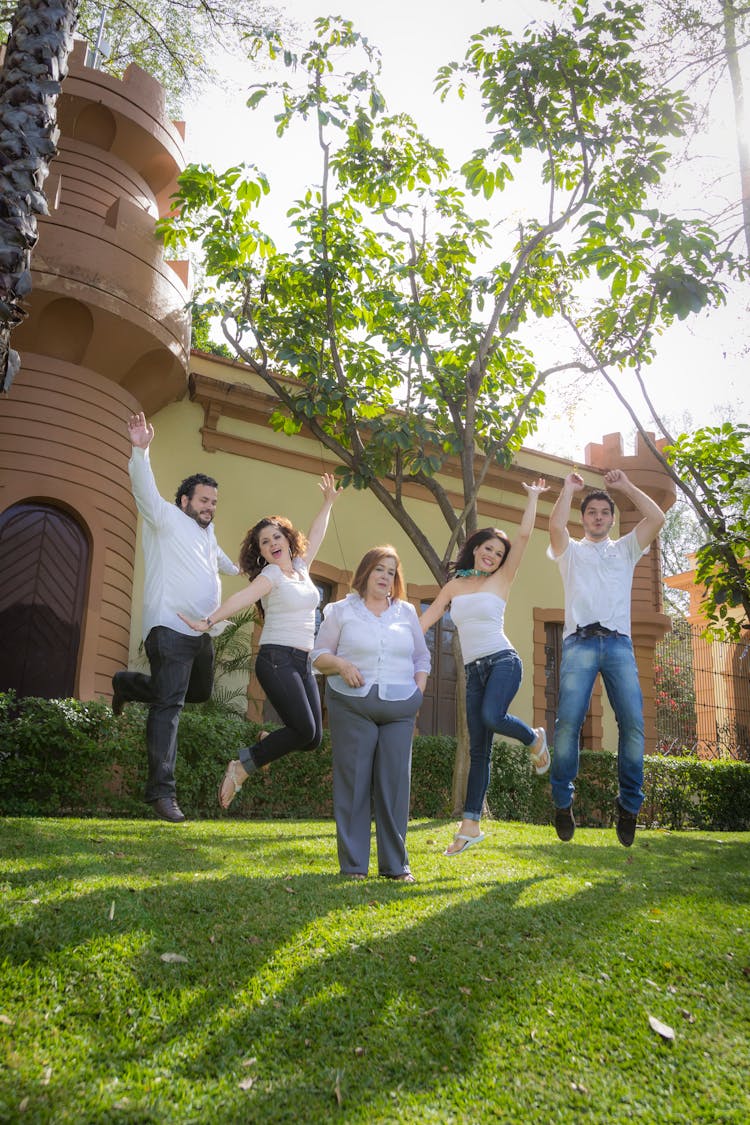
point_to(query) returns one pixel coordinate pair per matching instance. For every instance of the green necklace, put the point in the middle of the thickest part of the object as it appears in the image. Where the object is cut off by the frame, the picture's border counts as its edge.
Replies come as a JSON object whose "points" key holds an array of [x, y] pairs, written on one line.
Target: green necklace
{"points": [[473, 573]]}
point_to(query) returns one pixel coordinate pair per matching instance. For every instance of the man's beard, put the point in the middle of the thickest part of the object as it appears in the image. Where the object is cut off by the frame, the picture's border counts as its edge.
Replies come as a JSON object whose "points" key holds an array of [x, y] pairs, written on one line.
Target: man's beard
{"points": [[200, 519]]}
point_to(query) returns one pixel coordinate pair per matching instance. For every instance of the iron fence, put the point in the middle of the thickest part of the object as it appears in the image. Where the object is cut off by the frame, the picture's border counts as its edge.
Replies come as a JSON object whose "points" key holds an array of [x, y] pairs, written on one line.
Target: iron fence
{"points": [[702, 695]]}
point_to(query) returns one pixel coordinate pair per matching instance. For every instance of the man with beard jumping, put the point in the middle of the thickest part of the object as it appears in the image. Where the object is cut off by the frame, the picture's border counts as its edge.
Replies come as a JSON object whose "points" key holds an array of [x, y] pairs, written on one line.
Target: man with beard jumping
{"points": [[182, 565]]}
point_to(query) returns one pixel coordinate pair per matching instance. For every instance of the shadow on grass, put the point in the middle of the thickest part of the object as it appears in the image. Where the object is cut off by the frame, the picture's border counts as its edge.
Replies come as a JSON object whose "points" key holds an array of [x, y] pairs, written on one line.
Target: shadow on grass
{"points": [[298, 972]]}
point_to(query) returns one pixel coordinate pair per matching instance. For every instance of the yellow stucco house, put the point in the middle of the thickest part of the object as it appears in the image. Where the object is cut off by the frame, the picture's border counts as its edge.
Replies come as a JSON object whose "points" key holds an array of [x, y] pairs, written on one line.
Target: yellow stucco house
{"points": [[108, 335]]}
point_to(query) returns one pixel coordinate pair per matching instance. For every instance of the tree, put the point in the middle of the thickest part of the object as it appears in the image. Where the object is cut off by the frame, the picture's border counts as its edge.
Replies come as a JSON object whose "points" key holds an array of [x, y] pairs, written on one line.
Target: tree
{"points": [[165, 38], [678, 539], [178, 43], [701, 43], [34, 66], [406, 320]]}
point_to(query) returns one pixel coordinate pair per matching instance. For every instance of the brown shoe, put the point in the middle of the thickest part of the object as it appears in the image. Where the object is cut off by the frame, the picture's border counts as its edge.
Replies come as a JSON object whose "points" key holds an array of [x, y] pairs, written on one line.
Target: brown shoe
{"points": [[166, 808]]}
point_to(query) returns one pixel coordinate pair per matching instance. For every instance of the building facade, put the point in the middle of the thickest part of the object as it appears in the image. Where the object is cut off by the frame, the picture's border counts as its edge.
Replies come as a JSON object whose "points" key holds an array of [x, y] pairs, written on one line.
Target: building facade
{"points": [[108, 335]]}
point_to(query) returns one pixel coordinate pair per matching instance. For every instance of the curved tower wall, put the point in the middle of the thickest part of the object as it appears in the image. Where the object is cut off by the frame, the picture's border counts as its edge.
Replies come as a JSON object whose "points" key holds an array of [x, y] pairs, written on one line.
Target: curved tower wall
{"points": [[107, 335]]}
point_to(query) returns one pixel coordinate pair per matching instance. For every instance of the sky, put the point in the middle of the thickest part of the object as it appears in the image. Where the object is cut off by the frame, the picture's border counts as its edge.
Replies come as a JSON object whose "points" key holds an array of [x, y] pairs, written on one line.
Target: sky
{"points": [[700, 375]]}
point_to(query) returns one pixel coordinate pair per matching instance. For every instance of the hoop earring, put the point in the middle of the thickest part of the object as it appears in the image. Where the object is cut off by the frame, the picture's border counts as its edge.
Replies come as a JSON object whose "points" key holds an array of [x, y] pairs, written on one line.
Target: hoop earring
{"points": [[259, 561]]}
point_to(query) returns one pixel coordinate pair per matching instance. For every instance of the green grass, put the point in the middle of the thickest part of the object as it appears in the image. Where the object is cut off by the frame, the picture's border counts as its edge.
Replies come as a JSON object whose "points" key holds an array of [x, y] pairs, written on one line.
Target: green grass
{"points": [[512, 984]]}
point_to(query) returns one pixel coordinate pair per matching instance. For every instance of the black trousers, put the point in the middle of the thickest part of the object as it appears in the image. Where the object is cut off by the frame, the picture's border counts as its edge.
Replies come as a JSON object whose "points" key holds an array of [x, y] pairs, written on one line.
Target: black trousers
{"points": [[287, 678], [182, 671]]}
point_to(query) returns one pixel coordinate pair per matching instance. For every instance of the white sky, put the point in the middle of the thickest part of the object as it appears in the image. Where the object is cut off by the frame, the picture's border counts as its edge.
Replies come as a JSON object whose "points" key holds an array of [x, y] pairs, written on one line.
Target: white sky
{"points": [[700, 367]]}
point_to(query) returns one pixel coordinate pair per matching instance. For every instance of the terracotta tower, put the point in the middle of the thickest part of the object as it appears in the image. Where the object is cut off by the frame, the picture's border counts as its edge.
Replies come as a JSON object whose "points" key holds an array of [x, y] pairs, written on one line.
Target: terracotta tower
{"points": [[107, 334]]}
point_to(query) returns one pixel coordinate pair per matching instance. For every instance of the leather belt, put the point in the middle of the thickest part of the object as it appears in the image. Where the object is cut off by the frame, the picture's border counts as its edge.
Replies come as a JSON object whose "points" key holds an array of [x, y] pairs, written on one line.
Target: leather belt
{"points": [[595, 629]]}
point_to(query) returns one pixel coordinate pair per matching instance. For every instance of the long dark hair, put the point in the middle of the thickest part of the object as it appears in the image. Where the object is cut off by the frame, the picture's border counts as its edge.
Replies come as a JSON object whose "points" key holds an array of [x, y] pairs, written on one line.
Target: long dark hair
{"points": [[465, 560]]}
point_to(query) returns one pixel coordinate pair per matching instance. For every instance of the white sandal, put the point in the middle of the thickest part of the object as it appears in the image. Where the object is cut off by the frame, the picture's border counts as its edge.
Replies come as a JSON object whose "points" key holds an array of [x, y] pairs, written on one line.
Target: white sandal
{"points": [[541, 759], [229, 787]]}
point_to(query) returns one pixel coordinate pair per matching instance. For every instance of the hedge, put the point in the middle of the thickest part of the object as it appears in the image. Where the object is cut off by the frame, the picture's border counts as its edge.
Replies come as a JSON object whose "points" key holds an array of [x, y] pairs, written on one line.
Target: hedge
{"points": [[65, 757]]}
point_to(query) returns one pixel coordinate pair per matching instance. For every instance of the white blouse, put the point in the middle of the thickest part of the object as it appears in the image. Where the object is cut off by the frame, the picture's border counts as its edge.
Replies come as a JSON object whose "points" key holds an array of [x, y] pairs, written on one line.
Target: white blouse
{"points": [[388, 650]]}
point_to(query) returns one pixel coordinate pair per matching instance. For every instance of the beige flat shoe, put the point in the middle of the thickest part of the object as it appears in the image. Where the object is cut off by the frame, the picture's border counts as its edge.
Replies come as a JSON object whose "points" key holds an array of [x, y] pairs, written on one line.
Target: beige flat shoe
{"points": [[230, 785]]}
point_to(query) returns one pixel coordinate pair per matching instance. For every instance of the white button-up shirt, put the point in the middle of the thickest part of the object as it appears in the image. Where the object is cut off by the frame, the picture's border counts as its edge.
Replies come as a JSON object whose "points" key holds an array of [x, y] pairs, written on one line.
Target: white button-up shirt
{"points": [[182, 558], [388, 650], [597, 579]]}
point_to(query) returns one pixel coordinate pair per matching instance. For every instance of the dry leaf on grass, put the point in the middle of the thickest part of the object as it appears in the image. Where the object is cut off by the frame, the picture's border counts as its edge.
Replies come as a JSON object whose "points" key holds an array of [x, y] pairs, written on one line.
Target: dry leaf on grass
{"points": [[173, 958], [660, 1028], [246, 1083]]}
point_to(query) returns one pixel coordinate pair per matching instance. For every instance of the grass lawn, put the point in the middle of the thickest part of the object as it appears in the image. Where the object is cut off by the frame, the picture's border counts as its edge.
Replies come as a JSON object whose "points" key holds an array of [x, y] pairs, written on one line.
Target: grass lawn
{"points": [[512, 984]]}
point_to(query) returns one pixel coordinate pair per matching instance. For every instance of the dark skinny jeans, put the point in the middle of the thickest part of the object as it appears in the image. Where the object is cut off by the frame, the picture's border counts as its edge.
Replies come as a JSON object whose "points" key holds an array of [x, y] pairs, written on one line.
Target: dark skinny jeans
{"points": [[286, 676]]}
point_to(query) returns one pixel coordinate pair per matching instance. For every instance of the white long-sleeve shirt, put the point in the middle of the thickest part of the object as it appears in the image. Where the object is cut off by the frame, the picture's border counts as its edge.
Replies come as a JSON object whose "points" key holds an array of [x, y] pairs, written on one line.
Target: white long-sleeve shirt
{"points": [[183, 559], [388, 650]]}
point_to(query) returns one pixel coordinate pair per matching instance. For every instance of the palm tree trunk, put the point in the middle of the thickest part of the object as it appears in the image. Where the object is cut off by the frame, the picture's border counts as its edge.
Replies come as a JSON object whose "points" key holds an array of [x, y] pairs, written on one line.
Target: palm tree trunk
{"points": [[33, 68]]}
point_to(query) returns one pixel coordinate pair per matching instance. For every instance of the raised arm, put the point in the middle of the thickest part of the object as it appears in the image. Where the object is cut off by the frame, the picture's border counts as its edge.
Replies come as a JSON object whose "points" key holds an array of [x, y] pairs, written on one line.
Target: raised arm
{"points": [[437, 608], [521, 540], [319, 525], [653, 517], [149, 501], [560, 514], [235, 603]]}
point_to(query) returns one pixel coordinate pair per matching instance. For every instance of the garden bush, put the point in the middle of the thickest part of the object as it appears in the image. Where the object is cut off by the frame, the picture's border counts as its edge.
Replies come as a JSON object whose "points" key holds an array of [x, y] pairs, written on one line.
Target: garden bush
{"points": [[65, 757]]}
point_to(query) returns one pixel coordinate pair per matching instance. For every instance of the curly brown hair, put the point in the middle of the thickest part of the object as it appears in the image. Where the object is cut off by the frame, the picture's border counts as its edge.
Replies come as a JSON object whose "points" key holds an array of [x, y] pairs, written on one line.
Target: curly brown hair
{"points": [[251, 561], [367, 564]]}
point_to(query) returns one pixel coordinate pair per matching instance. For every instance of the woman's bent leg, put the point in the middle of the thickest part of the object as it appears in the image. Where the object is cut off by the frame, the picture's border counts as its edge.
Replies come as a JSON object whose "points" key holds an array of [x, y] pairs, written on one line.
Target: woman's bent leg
{"points": [[287, 679]]}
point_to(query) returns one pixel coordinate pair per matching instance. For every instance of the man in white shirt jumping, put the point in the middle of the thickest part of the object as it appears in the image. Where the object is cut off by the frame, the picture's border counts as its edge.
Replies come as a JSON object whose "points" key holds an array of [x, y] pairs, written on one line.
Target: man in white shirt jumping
{"points": [[182, 564], [597, 575]]}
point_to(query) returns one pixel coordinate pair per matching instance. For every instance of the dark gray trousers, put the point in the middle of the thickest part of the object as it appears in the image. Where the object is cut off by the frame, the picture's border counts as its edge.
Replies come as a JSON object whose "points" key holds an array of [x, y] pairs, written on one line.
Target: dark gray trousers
{"points": [[371, 747], [182, 671]]}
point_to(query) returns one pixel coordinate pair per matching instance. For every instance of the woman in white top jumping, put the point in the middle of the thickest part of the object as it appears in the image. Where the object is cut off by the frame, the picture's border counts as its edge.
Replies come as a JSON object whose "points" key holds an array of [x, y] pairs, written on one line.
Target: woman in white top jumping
{"points": [[276, 558], [477, 595]]}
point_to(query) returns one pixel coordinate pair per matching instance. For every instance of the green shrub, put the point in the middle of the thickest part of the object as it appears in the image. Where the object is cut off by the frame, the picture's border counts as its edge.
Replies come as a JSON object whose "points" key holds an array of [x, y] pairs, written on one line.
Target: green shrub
{"points": [[64, 757], [515, 792]]}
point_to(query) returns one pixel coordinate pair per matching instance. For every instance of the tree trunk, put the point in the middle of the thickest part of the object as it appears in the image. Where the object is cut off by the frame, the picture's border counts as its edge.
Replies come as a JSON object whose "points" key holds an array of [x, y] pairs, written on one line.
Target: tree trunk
{"points": [[461, 762], [729, 16], [33, 68]]}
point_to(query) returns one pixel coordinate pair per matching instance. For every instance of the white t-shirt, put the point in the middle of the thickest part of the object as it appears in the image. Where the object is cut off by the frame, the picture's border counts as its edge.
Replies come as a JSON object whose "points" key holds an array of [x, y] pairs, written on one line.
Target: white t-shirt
{"points": [[182, 558], [480, 620], [289, 607], [598, 579], [388, 650]]}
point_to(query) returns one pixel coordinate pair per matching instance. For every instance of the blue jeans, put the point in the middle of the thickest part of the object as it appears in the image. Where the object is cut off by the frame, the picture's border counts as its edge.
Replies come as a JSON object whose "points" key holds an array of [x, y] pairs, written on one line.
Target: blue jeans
{"points": [[286, 676], [491, 683], [582, 659]]}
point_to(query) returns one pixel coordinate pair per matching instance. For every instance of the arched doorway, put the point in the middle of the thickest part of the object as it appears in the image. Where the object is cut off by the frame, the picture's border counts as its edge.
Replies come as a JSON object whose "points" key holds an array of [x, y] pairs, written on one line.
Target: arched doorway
{"points": [[44, 566]]}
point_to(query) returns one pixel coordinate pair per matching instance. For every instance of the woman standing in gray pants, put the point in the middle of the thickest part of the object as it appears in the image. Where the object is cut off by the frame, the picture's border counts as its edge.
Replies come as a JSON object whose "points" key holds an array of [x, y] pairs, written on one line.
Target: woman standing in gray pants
{"points": [[372, 649]]}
